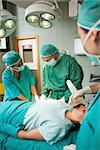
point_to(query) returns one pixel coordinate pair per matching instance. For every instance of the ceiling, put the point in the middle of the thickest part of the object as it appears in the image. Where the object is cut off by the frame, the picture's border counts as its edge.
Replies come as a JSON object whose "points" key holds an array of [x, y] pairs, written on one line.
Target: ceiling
{"points": [[25, 3]]}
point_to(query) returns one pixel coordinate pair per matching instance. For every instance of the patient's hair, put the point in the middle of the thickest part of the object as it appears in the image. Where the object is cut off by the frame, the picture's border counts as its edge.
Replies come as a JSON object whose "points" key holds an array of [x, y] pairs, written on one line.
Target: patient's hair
{"points": [[78, 106]]}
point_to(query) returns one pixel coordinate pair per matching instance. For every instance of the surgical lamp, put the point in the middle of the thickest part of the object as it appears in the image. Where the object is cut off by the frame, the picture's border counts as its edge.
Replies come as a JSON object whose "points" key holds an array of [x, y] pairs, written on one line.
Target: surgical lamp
{"points": [[7, 22], [43, 13]]}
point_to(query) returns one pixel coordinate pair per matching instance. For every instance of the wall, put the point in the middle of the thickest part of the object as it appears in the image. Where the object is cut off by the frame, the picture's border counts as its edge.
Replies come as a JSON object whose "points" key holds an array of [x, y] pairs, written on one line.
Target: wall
{"points": [[1, 64], [62, 35]]}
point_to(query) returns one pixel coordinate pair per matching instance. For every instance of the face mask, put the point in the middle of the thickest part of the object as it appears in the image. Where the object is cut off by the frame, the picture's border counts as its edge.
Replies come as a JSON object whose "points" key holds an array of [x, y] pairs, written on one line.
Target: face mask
{"points": [[51, 62], [93, 58], [19, 69]]}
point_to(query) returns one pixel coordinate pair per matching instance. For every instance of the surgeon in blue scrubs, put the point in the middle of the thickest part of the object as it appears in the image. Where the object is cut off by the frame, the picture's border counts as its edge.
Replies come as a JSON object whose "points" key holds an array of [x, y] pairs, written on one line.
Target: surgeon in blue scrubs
{"points": [[89, 31], [17, 79]]}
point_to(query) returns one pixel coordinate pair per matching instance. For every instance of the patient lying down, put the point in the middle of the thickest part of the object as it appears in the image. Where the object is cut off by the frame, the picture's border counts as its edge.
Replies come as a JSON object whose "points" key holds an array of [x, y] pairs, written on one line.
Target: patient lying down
{"points": [[44, 120]]}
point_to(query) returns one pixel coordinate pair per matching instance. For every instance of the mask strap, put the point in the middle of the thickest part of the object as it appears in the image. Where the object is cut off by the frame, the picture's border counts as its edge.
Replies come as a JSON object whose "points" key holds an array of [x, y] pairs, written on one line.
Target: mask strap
{"points": [[89, 33]]}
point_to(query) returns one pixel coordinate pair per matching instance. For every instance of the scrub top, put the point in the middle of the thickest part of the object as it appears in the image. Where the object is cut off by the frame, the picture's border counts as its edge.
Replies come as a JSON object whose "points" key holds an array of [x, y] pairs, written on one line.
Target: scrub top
{"points": [[49, 118], [89, 134], [11, 117], [14, 87], [55, 77]]}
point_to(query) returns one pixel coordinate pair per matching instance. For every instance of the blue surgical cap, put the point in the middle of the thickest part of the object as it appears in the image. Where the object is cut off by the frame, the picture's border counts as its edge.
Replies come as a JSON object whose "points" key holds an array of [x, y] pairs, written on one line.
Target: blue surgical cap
{"points": [[48, 50], [89, 14], [11, 58]]}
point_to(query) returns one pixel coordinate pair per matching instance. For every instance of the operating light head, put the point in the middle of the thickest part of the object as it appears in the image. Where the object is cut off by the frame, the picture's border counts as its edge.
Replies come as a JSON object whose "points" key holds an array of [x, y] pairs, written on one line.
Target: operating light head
{"points": [[7, 23], [2, 33], [45, 24], [47, 16], [32, 18], [42, 14]]}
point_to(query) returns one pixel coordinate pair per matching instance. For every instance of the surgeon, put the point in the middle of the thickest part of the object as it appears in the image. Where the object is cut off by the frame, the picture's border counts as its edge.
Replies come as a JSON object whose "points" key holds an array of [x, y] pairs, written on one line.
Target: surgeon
{"points": [[89, 31], [57, 70], [44, 120], [17, 79]]}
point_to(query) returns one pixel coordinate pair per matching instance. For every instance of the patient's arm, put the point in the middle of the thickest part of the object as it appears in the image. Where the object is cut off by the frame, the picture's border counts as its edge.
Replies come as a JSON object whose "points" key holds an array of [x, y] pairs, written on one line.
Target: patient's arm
{"points": [[32, 134]]}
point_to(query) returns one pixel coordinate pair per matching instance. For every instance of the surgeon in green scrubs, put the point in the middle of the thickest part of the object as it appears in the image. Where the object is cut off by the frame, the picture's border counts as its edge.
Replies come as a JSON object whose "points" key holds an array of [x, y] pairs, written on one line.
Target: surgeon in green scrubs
{"points": [[57, 70], [17, 79], [89, 31]]}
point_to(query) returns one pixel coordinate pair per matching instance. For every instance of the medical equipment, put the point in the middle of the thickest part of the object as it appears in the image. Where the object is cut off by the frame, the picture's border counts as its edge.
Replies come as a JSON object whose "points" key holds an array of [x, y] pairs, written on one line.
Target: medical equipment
{"points": [[72, 89], [77, 100], [43, 13], [71, 86], [7, 22]]}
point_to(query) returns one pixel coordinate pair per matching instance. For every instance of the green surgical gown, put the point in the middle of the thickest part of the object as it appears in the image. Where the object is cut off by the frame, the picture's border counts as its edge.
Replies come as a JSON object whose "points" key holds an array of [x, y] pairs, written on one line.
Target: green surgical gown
{"points": [[55, 77], [15, 87], [89, 134]]}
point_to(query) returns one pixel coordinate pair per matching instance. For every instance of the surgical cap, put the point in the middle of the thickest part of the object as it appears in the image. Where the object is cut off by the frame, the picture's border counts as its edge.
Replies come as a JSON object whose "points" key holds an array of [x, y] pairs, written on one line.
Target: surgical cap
{"points": [[11, 58], [48, 50], [89, 14]]}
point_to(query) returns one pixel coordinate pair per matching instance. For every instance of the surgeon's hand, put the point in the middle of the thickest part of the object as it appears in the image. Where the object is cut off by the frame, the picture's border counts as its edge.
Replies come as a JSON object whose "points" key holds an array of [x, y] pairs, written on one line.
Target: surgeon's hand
{"points": [[36, 98], [81, 92], [42, 97]]}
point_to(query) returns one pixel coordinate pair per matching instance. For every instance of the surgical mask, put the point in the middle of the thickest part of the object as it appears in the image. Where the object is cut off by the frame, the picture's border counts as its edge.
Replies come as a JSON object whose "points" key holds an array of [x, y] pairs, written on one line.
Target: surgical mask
{"points": [[19, 69], [51, 62], [93, 58]]}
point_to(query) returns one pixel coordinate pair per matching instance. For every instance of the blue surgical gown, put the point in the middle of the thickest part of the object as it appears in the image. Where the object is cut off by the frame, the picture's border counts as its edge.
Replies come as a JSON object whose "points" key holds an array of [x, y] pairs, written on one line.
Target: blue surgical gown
{"points": [[11, 117], [89, 134], [15, 87]]}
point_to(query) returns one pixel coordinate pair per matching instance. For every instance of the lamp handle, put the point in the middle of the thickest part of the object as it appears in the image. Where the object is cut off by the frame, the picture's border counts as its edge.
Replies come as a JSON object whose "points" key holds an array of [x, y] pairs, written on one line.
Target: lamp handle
{"points": [[56, 4], [57, 7], [44, 2]]}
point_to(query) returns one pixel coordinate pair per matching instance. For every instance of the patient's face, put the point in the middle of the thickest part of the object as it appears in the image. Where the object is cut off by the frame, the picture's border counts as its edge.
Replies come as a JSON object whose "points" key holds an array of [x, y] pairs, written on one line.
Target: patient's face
{"points": [[80, 112]]}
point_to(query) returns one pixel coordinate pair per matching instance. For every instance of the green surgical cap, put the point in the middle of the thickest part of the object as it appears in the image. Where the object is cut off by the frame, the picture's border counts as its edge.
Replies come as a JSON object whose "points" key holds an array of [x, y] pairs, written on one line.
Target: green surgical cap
{"points": [[11, 58], [48, 50], [89, 14]]}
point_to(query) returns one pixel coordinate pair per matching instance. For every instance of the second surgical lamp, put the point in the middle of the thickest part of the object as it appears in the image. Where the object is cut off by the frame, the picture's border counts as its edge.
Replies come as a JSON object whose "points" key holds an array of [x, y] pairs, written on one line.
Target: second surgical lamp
{"points": [[7, 22], [43, 13]]}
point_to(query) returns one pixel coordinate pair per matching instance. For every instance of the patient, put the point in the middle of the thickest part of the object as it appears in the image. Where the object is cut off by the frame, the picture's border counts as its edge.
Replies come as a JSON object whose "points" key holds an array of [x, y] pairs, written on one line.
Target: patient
{"points": [[44, 120]]}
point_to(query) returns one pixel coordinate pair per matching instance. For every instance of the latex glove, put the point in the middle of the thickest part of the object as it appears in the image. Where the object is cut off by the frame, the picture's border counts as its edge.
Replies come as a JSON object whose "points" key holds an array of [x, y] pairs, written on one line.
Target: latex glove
{"points": [[70, 147], [81, 92], [36, 98], [43, 97]]}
